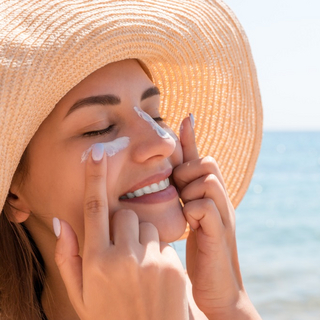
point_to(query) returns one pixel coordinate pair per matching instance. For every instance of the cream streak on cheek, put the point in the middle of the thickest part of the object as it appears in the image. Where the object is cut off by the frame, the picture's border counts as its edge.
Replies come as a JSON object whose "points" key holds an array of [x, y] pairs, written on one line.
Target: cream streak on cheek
{"points": [[111, 148]]}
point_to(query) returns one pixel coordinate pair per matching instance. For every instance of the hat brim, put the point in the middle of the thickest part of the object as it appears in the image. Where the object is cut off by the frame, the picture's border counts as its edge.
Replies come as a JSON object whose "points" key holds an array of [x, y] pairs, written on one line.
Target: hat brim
{"points": [[197, 54]]}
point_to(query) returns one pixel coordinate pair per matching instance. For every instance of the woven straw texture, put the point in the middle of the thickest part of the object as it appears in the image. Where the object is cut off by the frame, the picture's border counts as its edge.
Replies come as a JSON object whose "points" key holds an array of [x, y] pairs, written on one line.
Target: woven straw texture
{"points": [[196, 52]]}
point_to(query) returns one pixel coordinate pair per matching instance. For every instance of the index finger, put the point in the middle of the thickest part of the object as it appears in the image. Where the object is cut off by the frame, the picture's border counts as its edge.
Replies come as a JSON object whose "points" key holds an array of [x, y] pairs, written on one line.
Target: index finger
{"points": [[96, 213], [187, 139], [190, 153]]}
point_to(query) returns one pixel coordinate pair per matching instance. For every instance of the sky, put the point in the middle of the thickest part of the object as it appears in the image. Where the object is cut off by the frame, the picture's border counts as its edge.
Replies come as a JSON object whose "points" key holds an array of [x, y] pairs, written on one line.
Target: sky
{"points": [[285, 41]]}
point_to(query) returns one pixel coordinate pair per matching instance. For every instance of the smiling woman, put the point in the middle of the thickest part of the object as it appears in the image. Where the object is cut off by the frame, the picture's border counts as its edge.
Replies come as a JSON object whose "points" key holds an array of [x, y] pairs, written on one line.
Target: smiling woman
{"points": [[96, 103], [147, 158]]}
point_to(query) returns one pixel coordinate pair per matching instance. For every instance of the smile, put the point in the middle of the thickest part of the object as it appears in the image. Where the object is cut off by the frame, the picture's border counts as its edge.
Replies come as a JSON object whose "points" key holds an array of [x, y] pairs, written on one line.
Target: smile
{"points": [[153, 188]]}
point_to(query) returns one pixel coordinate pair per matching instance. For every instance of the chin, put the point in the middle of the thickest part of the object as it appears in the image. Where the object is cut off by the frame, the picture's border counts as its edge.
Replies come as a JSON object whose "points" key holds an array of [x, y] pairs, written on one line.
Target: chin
{"points": [[167, 217]]}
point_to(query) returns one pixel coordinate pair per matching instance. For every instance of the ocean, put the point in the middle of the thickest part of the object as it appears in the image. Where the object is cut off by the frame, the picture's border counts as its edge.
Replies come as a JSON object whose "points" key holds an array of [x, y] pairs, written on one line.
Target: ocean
{"points": [[278, 228]]}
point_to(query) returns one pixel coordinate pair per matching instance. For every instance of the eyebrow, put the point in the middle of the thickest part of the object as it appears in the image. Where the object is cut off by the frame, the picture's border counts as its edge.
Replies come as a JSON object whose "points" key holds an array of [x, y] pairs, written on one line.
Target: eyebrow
{"points": [[109, 99]]}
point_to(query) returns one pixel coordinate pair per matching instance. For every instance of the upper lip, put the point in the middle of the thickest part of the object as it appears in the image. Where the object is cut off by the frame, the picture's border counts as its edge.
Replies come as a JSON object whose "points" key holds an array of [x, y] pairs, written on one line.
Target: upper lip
{"points": [[156, 178]]}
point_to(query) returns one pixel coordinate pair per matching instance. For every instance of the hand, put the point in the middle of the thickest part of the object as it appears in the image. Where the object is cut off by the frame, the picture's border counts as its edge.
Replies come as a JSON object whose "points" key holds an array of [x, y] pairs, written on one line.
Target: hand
{"points": [[212, 259], [135, 276]]}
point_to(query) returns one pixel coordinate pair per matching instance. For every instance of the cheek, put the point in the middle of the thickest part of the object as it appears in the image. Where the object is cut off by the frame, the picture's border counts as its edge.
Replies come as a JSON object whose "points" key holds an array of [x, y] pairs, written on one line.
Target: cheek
{"points": [[118, 175], [56, 186], [54, 190]]}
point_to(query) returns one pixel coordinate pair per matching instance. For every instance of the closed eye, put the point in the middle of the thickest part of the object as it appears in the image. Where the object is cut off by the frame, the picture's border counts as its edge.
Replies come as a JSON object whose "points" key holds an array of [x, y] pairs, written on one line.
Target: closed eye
{"points": [[110, 128], [99, 132], [158, 119]]}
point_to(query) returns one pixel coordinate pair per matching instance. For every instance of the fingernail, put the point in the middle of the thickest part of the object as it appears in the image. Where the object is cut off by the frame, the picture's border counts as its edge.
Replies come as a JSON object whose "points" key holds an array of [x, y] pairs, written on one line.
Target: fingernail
{"points": [[56, 227], [97, 152], [191, 120], [181, 128]]}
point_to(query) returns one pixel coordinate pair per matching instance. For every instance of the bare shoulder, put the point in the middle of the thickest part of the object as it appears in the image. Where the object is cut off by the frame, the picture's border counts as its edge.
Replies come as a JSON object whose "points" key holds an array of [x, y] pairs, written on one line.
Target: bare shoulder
{"points": [[194, 312]]}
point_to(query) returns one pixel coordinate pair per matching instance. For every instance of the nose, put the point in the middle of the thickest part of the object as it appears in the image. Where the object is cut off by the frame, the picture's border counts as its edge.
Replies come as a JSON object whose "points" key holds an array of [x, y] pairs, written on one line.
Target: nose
{"points": [[149, 140]]}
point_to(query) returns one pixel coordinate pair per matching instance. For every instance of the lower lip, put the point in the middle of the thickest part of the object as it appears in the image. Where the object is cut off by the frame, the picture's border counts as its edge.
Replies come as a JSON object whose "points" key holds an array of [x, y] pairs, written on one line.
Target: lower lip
{"points": [[157, 197]]}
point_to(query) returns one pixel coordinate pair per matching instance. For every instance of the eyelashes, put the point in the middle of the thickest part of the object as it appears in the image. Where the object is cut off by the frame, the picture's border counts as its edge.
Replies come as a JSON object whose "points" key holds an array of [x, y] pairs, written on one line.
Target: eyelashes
{"points": [[110, 129], [158, 119], [99, 132]]}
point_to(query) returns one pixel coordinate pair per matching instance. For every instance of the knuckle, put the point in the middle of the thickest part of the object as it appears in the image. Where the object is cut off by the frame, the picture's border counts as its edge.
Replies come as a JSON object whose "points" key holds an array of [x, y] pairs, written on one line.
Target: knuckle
{"points": [[96, 265], [94, 205], [60, 259], [177, 173], [188, 209], [130, 260], [211, 181], [95, 176], [122, 263], [208, 204], [152, 267], [129, 264], [98, 268], [185, 195], [126, 214], [173, 272], [148, 225], [210, 163]]}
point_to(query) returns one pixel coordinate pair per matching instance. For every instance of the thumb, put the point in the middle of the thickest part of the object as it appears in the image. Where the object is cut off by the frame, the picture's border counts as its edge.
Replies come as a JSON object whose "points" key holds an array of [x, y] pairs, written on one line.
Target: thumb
{"points": [[68, 260], [187, 139]]}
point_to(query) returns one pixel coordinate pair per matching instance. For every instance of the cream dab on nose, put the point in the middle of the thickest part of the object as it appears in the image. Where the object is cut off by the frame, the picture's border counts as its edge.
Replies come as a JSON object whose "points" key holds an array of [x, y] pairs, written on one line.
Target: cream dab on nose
{"points": [[111, 148], [159, 130], [172, 134]]}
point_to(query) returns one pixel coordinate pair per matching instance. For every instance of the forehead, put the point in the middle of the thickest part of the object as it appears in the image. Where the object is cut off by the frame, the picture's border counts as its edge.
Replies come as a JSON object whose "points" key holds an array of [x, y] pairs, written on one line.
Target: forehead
{"points": [[110, 76], [121, 78], [125, 79]]}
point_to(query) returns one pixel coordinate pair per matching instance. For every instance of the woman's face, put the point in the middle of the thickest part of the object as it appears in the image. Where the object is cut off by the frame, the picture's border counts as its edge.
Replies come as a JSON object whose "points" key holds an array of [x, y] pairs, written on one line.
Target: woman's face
{"points": [[54, 186]]}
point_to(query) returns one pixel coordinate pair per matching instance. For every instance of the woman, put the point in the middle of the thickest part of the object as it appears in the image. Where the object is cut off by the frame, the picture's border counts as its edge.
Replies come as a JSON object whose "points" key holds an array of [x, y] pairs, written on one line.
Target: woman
{"points": [[84, 86]]}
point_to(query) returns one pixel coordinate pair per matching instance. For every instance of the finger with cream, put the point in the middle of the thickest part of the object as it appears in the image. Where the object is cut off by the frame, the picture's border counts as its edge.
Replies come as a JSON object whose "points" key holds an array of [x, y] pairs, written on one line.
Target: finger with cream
{"points": [[111, 148], [164, 133]]}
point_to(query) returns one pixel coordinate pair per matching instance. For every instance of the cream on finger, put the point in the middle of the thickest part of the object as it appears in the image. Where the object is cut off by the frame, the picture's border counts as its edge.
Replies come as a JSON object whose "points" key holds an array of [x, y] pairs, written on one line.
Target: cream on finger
{"points": [[111, 148]]}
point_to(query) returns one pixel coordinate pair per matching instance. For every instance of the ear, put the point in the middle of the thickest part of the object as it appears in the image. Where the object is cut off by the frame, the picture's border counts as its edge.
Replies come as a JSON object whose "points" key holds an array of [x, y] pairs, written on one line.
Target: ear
{"points": [[18, 208]]}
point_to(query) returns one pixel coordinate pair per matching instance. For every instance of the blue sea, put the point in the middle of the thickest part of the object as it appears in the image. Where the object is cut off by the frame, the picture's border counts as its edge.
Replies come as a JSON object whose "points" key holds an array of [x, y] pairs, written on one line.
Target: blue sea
{"points": [[278, 228]]}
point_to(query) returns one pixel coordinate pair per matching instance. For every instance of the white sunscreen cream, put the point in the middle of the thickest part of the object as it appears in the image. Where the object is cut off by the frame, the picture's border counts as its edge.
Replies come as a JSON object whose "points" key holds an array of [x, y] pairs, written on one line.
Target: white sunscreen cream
{"points": [[111, 148], [172, 134], [154, 125]]}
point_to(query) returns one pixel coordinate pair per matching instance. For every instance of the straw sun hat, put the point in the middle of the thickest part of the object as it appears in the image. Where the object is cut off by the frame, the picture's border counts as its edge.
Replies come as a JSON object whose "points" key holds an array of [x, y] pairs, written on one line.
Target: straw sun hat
{"points": [[195, 50]]}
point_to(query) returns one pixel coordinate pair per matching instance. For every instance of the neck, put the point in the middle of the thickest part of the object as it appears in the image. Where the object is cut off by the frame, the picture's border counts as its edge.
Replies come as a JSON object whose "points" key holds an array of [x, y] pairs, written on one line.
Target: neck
{"points": [[55, 301]]}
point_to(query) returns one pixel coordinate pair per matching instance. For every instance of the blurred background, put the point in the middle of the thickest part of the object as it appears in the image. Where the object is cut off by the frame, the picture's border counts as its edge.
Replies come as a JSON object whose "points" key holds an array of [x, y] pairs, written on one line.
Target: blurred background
{"points": [[278, 221]]}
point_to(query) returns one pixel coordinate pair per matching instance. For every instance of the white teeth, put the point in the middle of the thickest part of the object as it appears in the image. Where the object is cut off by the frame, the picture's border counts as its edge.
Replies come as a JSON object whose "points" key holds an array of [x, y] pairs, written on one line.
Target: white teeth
{"points": [[155, 187], [138, 193], [146, 190], [162, 185]]}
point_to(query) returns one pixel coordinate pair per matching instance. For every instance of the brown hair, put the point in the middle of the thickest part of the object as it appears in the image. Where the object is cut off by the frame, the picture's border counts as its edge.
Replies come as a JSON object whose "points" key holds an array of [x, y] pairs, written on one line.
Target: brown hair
{"points": [[21, 267]]}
